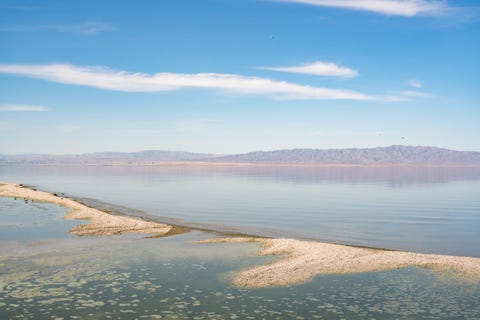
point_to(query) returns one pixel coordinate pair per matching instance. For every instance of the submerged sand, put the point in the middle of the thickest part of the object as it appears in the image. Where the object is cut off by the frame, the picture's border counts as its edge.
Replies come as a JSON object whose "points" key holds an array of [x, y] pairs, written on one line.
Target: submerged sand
{"points": [[298, 260], [100, 223], [302, 260]]}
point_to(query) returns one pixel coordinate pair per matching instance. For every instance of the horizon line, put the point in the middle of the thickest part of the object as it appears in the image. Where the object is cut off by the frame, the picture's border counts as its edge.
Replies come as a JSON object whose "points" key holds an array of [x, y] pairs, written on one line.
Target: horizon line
{"points": [[220, 154]]}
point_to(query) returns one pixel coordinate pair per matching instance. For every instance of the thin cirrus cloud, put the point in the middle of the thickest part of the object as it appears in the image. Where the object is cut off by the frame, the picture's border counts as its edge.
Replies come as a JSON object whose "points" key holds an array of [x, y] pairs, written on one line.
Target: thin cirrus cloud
{"points": [[317, 68], [414, 94], [16, 107], [108, 79], [415, 83], [405, 8], [85, 28]]}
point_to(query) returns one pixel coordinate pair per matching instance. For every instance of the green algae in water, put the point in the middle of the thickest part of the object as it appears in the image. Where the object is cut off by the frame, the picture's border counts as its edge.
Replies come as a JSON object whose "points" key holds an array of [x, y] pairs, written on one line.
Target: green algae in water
{"points": [[128, 277], [150, 283]]}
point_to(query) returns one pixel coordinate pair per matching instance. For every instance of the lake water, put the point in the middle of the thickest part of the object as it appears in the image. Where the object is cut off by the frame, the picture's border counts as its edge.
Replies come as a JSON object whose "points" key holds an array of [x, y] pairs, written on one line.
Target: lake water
{"points": [[434, 210], [171, 278], [45, 273]]}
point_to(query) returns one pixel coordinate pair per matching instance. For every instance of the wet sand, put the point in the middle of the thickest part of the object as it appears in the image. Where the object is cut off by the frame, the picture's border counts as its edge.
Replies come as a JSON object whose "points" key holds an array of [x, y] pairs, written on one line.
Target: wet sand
{"points": [[299, 261], [100, 223]]}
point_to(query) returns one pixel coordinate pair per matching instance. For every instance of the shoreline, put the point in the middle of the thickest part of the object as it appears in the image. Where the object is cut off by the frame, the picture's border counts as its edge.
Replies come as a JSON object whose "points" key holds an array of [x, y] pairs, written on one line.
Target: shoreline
{"points": [[99, 223], [297, 261]]}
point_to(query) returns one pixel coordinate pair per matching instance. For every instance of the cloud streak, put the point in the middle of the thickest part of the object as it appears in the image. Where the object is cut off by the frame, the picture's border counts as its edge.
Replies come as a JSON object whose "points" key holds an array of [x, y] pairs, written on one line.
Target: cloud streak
{"points": [[15, 107], [317, 68], [415, 83], [85, 28], [405, 8], [410, 93], [105, 78]]}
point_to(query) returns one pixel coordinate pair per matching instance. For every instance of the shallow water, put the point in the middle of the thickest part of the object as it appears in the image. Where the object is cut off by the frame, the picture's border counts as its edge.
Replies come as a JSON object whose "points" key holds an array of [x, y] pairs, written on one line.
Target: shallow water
{"points": [[22, 220], [131, 277], [432, 210]]}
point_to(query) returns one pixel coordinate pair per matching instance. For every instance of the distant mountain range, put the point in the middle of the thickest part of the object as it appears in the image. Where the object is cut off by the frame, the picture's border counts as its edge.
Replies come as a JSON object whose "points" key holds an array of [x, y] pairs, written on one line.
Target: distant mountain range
{"points": [[395, 154], [105, 157]]}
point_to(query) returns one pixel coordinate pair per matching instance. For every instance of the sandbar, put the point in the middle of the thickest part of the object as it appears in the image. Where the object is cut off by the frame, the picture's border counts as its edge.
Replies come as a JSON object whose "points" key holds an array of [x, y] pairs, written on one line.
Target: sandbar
{"points": [[99, 223], [299, 261]]}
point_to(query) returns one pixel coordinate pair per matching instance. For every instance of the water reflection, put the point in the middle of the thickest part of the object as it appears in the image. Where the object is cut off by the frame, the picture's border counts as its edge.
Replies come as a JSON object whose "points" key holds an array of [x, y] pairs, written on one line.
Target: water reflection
{"points": [[130, 277], [391, 175], [430, 209]]}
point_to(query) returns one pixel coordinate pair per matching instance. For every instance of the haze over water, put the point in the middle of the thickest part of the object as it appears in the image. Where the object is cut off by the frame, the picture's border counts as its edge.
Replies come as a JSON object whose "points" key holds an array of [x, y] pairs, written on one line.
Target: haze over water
{"points": [[433, 210]]}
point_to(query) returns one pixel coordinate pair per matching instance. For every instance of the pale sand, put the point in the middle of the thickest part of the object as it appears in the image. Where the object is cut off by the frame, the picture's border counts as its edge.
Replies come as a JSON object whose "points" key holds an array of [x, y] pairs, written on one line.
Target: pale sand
{"points": [[100, 223], [302, 260], [299, 261]]}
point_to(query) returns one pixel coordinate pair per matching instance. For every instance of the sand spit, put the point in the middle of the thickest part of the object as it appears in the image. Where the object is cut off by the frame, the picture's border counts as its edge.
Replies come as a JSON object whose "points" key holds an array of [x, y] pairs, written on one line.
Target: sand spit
{"points": [[100, 223], [302, 260]]}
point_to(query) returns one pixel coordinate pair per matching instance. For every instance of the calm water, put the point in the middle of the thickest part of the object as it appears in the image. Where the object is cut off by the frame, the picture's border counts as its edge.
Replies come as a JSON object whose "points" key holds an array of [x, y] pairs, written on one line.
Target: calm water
{"points": [[162, 285], [130, 277], [47, 274], [26, 221], [427, 210]]}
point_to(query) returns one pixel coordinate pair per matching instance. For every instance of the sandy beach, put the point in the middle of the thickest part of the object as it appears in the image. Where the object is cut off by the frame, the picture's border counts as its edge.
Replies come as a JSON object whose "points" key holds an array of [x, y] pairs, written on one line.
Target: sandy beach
{"points": [[99, 223], [299, 261]]}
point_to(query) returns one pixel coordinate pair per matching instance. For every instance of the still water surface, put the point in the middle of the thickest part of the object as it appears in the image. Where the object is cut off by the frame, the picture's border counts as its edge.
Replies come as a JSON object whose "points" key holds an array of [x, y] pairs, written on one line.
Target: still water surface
{"points": [[45, 273], [435, 210]]}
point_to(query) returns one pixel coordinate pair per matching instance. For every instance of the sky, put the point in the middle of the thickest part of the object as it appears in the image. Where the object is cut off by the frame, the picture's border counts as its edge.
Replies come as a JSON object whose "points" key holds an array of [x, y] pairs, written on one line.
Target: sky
{"points": [[233, 76]]}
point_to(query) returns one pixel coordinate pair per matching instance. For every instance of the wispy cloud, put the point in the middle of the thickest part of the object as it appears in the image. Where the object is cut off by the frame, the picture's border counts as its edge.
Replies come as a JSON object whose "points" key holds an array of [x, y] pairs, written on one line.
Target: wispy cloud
{"points": [[409, 95], [16, 107], [104, 78], [406, 8], [415, 83], [412, 94], [85, 28], [318, 68]]}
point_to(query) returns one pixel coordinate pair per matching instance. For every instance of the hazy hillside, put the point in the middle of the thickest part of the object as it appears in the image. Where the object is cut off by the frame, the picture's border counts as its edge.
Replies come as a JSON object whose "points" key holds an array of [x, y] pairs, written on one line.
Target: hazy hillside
{"points": [[105, 157], [389, 155], [384, 155]]}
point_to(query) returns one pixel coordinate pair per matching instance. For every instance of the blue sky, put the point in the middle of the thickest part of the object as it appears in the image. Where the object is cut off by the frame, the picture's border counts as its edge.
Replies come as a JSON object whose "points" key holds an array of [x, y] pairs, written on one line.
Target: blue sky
{"points": [[228, 76]]}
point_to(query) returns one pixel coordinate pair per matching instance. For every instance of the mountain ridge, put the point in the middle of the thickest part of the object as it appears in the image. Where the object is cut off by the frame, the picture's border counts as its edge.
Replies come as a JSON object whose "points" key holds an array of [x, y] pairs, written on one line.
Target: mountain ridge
{"points": [[395, 154], [389, 155]]}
